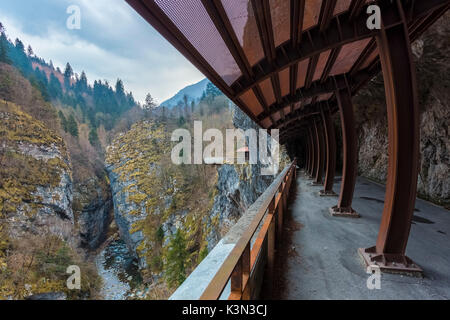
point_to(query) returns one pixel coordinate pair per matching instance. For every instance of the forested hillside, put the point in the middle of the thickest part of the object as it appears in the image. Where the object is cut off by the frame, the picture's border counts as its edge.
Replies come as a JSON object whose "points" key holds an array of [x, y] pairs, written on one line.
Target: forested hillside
{"points": [[86, 178]]}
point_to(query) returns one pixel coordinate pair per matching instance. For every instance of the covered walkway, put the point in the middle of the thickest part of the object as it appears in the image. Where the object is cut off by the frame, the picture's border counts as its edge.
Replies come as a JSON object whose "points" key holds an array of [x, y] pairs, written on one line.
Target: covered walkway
{"points": [[323, 260], [291, 65]]}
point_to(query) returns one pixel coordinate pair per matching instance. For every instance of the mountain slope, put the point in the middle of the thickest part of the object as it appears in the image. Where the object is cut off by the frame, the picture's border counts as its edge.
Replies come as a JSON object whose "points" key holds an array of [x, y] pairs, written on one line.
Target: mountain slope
{"points": [[193, 92]]}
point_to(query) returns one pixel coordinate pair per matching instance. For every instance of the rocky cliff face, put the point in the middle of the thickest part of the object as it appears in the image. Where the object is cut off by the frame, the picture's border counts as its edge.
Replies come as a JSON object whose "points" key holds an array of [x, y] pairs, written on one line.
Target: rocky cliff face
{"points": [[39, 227], [36, 179], [155, 201], [95, 212], [238, 187], [154, 198], [431, 53]]}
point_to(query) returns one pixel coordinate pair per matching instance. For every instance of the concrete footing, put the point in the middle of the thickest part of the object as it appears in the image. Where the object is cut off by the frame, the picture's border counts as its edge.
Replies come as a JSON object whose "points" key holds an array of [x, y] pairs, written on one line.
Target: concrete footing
{"points": [[324, 193], [390, 263], [344, 212]]}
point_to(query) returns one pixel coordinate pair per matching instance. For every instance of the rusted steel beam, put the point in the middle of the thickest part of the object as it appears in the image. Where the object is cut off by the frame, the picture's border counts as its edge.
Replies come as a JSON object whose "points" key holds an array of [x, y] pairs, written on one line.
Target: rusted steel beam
{"points": [[350, 155], [330, 142], [152, 13], [403, 150], [428, 21], [264, 23], [306, 154], [311, 70], [298, 11], [363, 56], [320, 153], [330, 63], [294, 122], [314, 151], [306, 148], [357, 77], [326, 13], [297, 129], [311, 137], [220, 19], [343, 29], [355, 8], [318, 88], [308, 139]]}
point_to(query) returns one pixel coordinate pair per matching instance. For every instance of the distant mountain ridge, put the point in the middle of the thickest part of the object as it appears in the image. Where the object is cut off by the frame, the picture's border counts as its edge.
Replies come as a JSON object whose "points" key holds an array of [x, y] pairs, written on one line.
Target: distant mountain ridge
{"points": [[193, 92]]}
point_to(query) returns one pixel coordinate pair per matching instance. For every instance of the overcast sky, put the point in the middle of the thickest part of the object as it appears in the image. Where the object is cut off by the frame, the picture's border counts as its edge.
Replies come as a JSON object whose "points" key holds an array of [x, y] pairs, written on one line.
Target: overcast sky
{"points": [[113, 42]]}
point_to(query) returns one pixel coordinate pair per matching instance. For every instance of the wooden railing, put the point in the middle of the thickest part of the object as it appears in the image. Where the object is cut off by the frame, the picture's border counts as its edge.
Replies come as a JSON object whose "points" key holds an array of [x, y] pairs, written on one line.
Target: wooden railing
{"points": [[252, 260]]}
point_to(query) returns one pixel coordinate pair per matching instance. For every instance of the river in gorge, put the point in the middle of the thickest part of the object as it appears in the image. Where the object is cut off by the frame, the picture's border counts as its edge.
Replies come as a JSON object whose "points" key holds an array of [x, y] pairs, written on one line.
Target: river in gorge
{"points": [[119, 270]]}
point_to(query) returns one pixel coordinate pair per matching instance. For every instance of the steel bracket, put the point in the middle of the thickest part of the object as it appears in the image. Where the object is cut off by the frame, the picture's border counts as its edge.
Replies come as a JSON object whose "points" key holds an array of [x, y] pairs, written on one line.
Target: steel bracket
{"points": [[390, 263]]}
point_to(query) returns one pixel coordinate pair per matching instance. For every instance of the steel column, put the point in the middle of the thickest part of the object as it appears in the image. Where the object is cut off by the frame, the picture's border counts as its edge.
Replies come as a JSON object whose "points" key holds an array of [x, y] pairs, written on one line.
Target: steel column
{"points": [[403, 166], [330, 142], [350, 155], [316, 151], [306, 151], [313, 152], [320, 153]]}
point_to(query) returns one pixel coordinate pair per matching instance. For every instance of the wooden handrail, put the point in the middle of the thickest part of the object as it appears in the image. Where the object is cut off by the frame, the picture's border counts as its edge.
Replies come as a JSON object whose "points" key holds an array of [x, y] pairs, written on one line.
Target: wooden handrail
{"points": [[245, 263]]}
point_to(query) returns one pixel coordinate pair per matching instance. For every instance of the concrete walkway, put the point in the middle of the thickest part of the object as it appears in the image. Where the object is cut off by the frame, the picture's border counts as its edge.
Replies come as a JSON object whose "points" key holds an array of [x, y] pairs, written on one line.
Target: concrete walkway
{"points": [[324, 263]]}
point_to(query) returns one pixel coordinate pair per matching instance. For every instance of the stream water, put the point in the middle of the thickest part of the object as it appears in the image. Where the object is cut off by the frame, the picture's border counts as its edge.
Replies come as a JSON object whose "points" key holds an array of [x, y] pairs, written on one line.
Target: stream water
{"points": [[119, 271]]}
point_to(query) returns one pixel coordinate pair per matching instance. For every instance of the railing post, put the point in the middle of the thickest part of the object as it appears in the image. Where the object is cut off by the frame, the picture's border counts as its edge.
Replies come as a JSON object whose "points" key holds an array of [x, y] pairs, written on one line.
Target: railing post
{"points": [[271, 253], [280, 210], [240, 285], [236, 281], [247, 290]]}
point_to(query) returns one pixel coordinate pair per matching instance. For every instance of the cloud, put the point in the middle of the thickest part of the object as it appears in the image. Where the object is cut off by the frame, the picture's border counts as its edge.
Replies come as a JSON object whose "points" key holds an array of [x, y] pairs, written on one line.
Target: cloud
{"points": [[114, 42]]}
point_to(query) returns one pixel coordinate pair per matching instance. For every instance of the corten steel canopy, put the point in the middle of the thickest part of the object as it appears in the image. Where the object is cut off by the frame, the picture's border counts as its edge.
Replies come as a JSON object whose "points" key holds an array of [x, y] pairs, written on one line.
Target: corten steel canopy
{"points": [[291, 64], [273, 58]]}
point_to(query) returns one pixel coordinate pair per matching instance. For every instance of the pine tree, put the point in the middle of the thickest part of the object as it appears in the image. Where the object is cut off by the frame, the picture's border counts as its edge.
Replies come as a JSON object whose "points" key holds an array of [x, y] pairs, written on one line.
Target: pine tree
{"points": [[63, 121], [68, 74], [120, 90], [4, 48], [212, 91], [72, 126], [30, 51], [149, 103], [19, 46], [176, 260], [83, 81], [93, 137], [163, 113], [54, 87], [185, 103]]}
